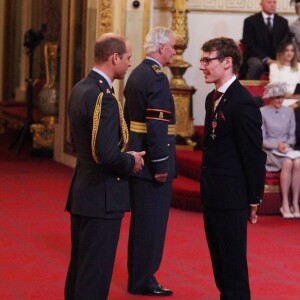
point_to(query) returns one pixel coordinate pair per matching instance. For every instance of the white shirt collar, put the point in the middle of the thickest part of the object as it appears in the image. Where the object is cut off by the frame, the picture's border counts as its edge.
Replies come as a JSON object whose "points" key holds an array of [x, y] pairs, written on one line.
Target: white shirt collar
{"points": [[265, 16], [103, 75], [226, 85]]}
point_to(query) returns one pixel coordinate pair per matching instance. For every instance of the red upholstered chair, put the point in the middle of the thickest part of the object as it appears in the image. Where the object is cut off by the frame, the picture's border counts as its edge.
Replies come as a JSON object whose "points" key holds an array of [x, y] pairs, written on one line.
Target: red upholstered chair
{"points": [[15, 112], [271, 198], [255, 87], [5, 104], [186, 194]]}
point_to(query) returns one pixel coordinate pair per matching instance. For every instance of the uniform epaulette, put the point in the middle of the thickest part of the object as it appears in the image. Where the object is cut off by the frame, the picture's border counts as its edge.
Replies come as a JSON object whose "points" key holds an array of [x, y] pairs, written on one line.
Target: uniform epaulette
{"points": [[104, 88], [157, 69]]}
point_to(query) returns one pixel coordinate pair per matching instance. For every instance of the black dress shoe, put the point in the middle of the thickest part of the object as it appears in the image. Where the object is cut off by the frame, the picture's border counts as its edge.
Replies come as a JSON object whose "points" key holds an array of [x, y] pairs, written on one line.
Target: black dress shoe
{"points": [[158, 291]]}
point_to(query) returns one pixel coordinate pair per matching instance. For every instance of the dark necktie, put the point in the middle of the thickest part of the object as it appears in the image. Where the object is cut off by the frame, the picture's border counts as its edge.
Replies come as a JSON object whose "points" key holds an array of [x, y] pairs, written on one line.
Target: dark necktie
{"points": [[216, 96], [269, 24]]}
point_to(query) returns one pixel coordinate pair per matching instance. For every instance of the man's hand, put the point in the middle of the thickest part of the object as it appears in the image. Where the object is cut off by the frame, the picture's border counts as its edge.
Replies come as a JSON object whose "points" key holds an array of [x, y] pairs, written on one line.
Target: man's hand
{"points": [[253, 216], [139, 161], [161, 177]]}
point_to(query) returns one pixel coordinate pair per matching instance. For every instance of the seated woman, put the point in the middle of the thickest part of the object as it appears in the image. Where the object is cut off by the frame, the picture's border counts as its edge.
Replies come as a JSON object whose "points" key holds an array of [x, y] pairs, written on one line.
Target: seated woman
{"points": [[286, 69], [279, 134]]}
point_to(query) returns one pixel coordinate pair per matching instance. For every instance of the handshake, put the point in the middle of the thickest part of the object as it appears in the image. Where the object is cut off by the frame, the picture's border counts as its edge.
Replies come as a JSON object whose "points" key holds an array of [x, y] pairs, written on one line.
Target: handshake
{"points": [[139, 161]]}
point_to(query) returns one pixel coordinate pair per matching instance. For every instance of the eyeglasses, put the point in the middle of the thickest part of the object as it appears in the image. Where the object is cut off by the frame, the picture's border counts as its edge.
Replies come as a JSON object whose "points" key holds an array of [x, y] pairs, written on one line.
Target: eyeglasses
{"points": [[206, 60]]}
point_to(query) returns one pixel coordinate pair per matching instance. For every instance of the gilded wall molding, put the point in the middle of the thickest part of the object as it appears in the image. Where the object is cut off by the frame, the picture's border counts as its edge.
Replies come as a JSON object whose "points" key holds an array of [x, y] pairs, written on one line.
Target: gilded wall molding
{"points": [[76, 52], [105, 17], [283, 6], [146, 26], [228, 6]]}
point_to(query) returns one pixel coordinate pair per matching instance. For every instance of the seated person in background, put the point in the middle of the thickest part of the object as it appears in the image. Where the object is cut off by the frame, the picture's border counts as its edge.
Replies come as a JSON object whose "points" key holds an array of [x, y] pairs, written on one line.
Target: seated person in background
{"points": [[295, 26], [279, 134], [262, 34], [286, 68]]}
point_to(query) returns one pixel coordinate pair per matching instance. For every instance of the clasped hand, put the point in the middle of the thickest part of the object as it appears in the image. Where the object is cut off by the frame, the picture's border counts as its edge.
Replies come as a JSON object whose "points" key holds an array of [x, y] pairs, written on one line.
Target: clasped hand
{"points": [[139, 161], [283, 147]]}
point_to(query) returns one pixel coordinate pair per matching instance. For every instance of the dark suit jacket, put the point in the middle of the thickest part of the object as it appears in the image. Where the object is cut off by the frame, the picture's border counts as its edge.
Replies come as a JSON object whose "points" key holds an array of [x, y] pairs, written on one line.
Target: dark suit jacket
{"points": [[148, 88], [256, 36], [233, 163], [97, 190]]}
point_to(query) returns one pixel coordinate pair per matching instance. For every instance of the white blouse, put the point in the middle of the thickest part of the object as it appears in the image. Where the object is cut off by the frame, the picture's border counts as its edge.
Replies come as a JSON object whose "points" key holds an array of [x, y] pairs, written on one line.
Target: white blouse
{"points": [[285, 74]]}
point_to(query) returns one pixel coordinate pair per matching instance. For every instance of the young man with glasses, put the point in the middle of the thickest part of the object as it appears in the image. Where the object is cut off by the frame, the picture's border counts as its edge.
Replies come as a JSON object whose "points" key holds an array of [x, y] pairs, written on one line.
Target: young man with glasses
{"points": [[233, 167]]}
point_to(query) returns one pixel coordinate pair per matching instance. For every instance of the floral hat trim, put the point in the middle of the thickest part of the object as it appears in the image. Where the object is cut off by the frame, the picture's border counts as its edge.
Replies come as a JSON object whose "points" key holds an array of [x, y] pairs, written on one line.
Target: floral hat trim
{"points": [[275, 89]]}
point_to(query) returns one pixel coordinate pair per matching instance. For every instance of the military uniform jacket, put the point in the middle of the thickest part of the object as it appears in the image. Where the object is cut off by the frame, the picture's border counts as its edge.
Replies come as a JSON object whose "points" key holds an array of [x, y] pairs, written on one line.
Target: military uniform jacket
{"points": [[149, 101], [97, 190], [233, 162]]}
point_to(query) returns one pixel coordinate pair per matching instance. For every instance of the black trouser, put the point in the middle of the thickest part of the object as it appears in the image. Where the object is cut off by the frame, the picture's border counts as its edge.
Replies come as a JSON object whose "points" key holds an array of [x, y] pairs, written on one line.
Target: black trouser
{"points": [[149, 217], [226, 233], [94, 244]]}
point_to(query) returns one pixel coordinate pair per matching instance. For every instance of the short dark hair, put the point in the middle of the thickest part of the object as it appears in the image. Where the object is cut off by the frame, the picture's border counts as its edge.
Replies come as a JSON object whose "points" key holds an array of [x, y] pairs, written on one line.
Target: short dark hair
{"points": [[108, 44], [225, 47]]}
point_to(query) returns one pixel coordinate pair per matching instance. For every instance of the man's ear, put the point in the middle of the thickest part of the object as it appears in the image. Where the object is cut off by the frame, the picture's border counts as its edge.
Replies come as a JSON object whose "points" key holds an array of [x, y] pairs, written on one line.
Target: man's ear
{"points": [[228, 61], [160, 49], [115, 58]]}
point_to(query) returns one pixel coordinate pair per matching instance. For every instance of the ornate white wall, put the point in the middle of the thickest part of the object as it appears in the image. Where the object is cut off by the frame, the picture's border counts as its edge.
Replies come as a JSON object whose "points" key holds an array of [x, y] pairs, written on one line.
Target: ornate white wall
{"points": [[283, 6]]}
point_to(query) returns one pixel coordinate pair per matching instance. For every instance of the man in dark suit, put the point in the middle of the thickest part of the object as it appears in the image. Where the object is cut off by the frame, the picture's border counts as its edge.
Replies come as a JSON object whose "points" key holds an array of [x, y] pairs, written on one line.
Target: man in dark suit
{"points": [[99, 191], [150, 114], [262, 34], [233, 167]]}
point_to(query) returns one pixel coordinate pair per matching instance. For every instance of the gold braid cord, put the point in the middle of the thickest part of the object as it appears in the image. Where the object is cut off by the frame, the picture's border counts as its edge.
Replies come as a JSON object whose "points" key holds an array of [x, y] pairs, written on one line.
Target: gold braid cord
{"points": [[96, 122], [124, 129]]}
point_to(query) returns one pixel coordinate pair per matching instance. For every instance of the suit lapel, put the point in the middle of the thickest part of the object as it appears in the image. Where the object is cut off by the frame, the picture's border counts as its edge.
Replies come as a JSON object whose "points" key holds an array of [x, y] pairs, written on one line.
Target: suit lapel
{"points": [[209, 114], [221, 104], [275, 24], [262, 25], [215, 116]]}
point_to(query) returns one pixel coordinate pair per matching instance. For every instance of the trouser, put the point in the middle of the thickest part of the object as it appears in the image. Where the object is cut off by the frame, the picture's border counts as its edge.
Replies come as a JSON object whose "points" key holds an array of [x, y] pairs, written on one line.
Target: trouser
{"points": [[255, 68], [226, 233], [94, 244], [148, 224]]}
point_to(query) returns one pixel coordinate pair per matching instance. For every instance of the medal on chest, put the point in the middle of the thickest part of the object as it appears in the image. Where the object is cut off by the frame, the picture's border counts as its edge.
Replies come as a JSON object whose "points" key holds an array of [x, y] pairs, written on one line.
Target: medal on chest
{"points": [[214, 125]]}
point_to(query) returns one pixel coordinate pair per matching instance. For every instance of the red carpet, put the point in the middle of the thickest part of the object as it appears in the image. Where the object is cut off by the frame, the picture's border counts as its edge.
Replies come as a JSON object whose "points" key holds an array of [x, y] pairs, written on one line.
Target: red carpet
{"points": [[35, 243]]}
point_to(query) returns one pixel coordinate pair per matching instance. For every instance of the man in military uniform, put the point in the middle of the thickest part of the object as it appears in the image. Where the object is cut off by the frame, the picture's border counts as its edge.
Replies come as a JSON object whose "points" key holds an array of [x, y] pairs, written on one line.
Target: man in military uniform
{"points": [[99, 191], [150, 114]]}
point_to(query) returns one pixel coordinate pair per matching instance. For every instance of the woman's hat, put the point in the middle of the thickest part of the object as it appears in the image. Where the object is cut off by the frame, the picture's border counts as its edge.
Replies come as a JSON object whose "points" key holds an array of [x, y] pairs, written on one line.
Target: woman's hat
{"points": [[275, 89]]}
